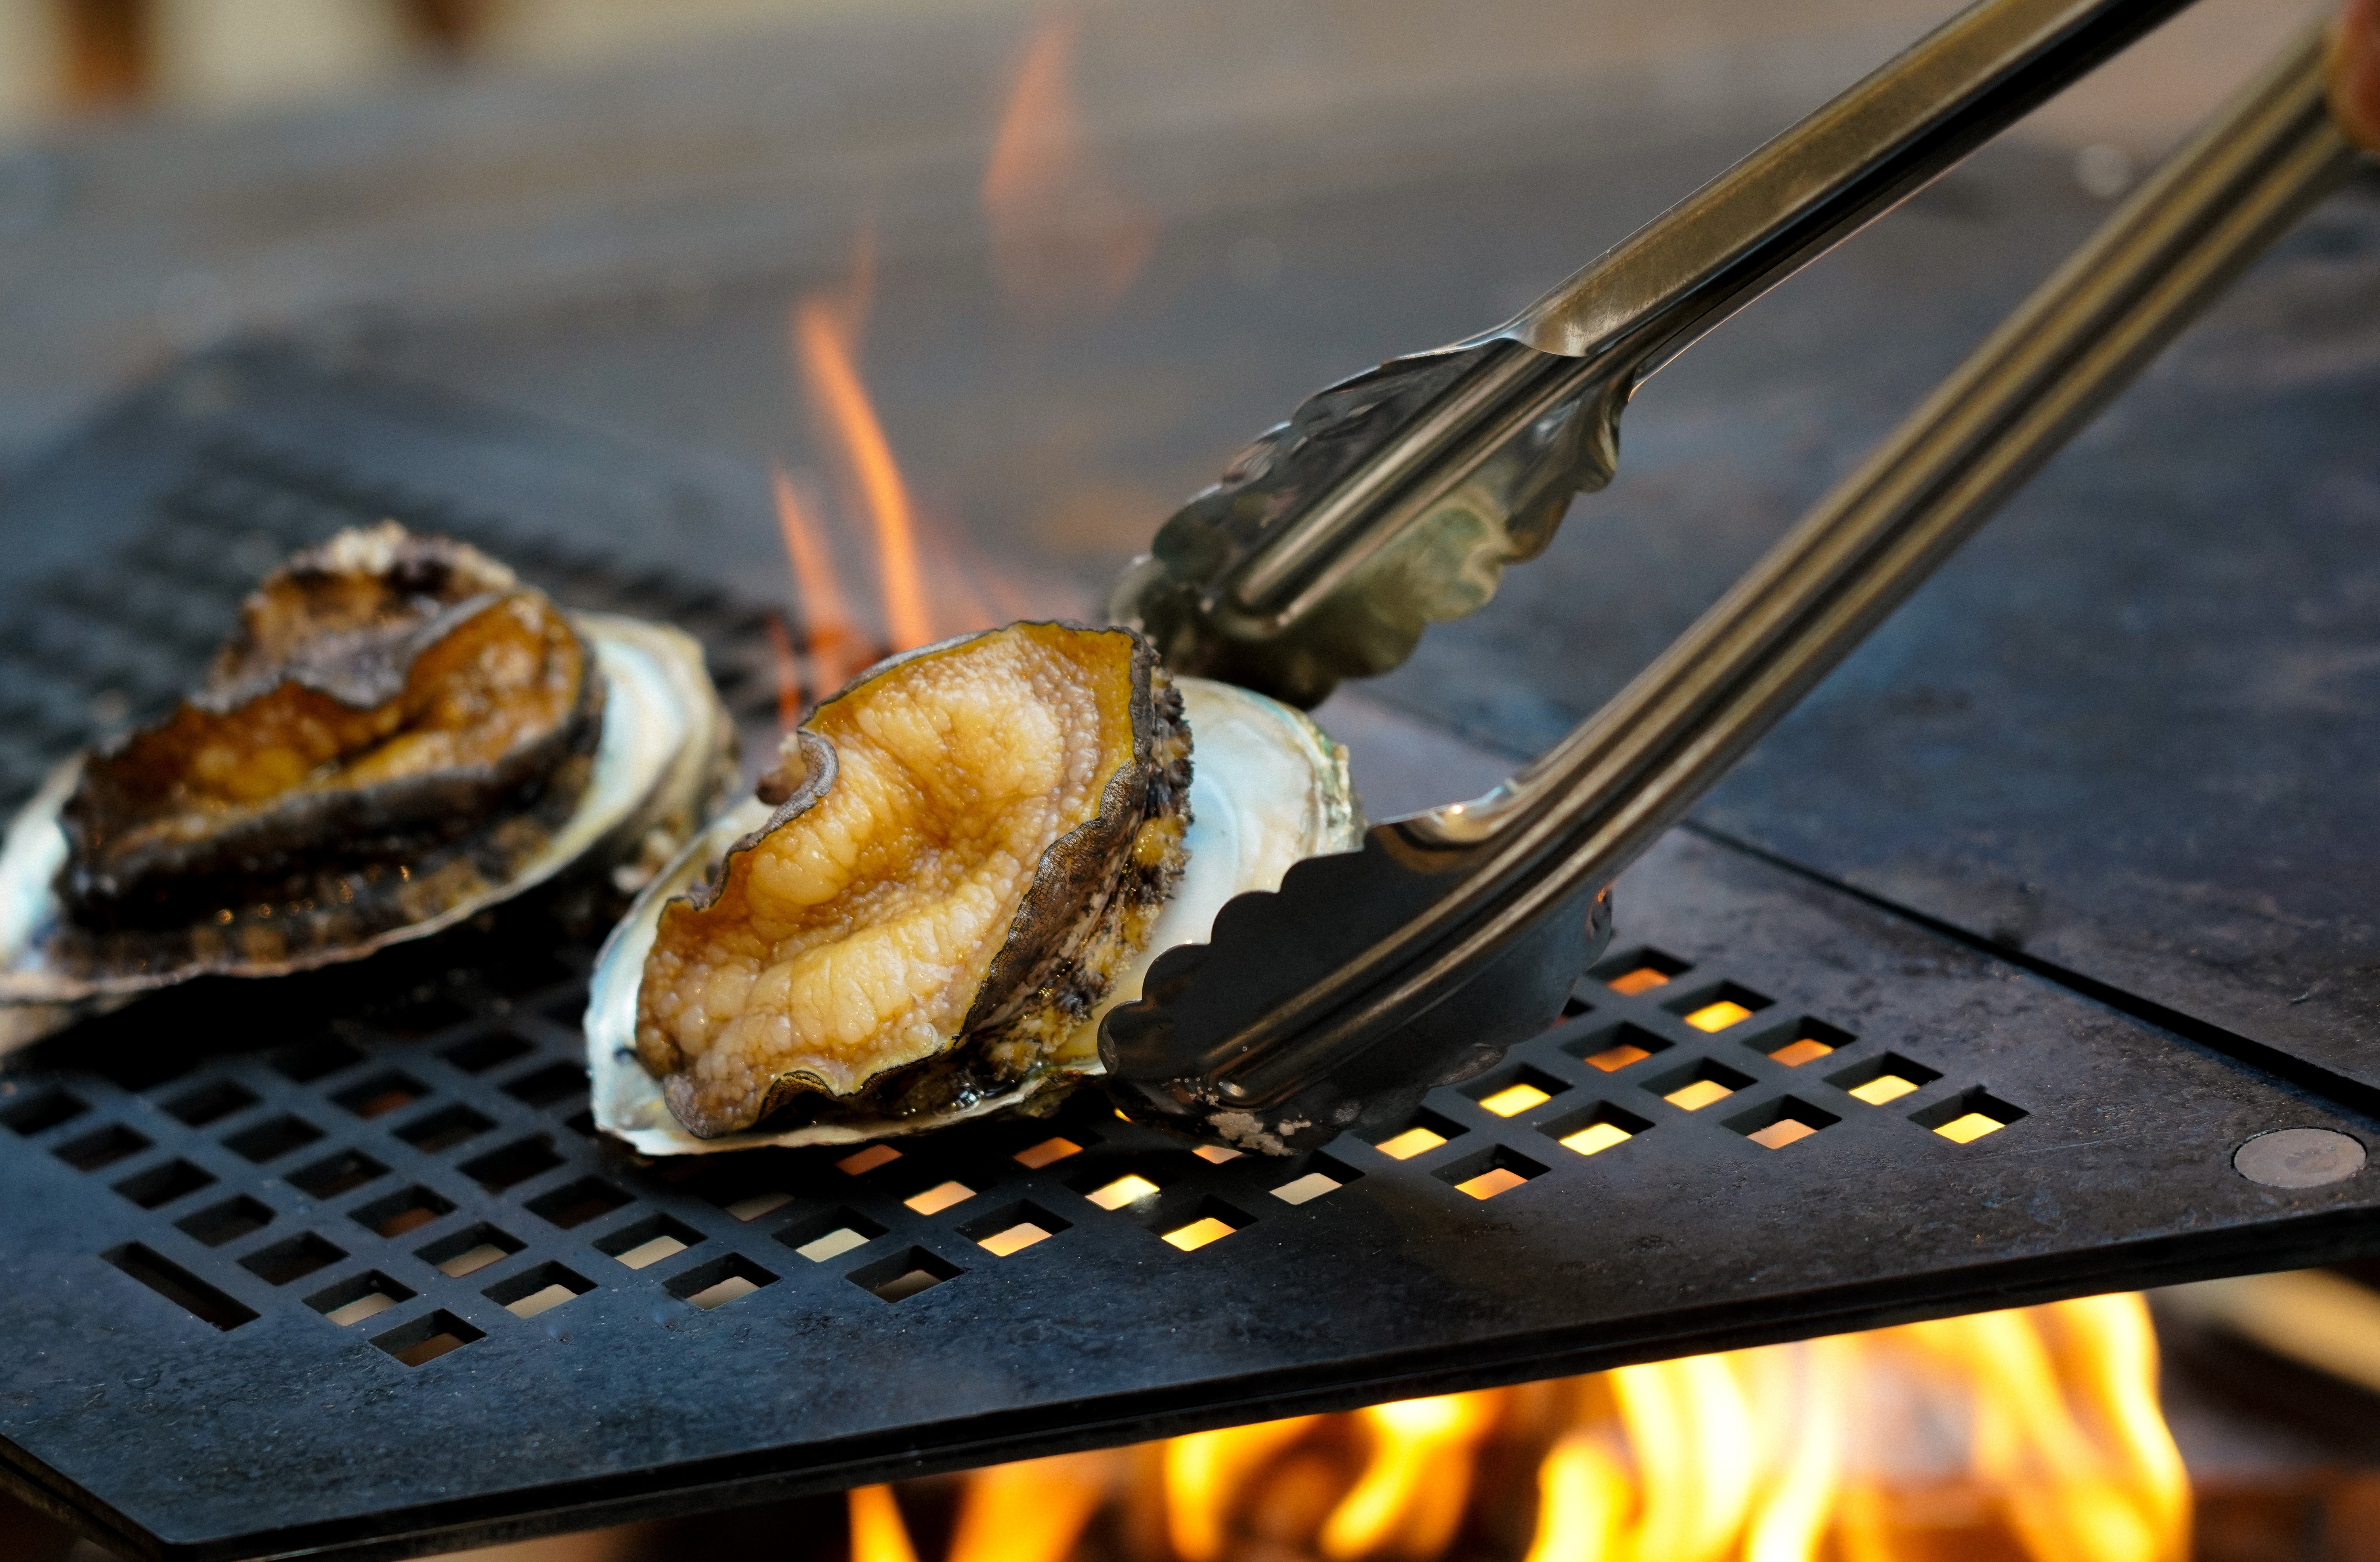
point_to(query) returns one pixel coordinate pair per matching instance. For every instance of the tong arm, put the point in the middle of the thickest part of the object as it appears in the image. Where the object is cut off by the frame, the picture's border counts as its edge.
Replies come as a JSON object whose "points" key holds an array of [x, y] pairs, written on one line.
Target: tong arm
{"points": [[1395, 499], [1330, 1001]]}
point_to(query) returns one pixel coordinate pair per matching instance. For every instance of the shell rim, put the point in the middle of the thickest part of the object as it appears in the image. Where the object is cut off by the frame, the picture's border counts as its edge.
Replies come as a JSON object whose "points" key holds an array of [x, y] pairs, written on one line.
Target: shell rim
{"points": [[649, 671], [609, 1024]]}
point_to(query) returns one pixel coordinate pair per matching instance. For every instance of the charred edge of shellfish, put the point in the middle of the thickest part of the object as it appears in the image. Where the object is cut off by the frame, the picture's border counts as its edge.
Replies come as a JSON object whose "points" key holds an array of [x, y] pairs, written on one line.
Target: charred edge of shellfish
{"points": [[1064, 945], [818, 770], [513, 807], [312, 849]]}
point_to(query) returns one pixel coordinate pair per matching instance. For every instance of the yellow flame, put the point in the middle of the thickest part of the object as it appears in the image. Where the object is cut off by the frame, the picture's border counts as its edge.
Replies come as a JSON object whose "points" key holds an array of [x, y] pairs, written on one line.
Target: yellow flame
{"points": [[828, 636], [825, 332], [1031, 1511], [1695, 1445], [1782, 1454], [1205, 1473], [876, 1533], [1583, 1501], [1062, 237], [1791, 1518], [2092, 1479], [1412, 1488]]}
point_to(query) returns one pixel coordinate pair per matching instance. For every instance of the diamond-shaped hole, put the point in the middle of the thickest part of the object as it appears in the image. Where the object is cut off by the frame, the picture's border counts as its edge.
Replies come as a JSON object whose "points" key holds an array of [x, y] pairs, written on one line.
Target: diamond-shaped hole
{"points": [[539, 1289], [723, 1279], [1509, 1092], [1968, 1116], [1804, 1041], [1884, 1080], [904, 1275], [1698, 1085], [1718, 1008], [442, 1130], [273, 1138], [1046, 1152], [1595, 1129], [1211, 1222], [1115, 1193], [576, 1203], [1485, 1173], [1614, 1050], [481, 1053], [1427, 1132], [470, 1251], [353, 1300], [1011, 1228], [642, 1244], [102, 1146], [291, 1260], [831, 1236], [405, 1210], [340, 1173], [512, 1164], [227, 1221], [1323, 1175], [381, 1093], [940, 1197], [180, 1287], [161, 1185], [860, 1162], [1639, 971], [43, 1112], [1782, 1122], [427, 1339], [210, 1103], [751, 1206], [552, 1083]]}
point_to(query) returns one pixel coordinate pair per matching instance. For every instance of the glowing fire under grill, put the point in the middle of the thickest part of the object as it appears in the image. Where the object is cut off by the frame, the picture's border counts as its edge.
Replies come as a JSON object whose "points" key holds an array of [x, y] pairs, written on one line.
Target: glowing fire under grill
{"points": [[2032, 1433], [532, 1255]]}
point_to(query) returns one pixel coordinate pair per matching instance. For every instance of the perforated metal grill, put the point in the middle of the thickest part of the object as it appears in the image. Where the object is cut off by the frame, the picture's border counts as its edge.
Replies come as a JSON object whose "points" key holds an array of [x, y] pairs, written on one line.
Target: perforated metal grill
{"points": [[336, 1263]]}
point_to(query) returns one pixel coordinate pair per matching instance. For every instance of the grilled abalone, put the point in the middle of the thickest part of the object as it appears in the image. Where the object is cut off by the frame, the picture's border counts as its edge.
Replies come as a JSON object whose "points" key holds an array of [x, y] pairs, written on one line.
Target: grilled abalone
{"points": [[399, 733], [964, 844], [1267, 789]]}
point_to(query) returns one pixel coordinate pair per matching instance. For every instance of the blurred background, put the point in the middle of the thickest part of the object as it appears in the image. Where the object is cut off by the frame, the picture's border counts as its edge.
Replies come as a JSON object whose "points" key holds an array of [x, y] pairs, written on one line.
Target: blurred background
{"points": [[1019, 275]]}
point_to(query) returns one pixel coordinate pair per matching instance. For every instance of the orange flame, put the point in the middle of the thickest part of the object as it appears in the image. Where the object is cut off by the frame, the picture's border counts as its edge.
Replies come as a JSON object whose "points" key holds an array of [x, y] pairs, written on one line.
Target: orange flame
{"points": [[1782, 1454], [828, 637], [1062, 237], [876, 1533], [824, 335], [1031, 1511]]}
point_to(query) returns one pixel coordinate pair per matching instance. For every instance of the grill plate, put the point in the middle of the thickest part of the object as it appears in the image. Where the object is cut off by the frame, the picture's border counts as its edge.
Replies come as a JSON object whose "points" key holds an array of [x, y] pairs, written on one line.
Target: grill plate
{"points": [[334, 1264]]}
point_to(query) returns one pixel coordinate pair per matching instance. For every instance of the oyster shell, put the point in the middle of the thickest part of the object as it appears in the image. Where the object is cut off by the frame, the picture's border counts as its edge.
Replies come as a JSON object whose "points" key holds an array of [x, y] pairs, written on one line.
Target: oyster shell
{"points": [[399, 735], [1267, 789]]}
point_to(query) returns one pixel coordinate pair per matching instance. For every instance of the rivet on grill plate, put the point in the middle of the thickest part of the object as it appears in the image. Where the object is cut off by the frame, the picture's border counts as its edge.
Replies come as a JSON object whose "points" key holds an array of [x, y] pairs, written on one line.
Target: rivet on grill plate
{"points": [[2299, 1158]]}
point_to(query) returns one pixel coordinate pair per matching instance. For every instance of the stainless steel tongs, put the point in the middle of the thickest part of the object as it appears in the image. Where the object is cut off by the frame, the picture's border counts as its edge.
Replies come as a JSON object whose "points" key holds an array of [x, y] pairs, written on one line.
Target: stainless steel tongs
{"points": [[1395, 499]]}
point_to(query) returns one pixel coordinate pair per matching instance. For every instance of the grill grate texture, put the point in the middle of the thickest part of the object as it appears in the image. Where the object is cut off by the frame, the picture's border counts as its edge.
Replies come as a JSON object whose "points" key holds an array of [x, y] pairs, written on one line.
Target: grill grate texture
{"points": [[336, 1263]]}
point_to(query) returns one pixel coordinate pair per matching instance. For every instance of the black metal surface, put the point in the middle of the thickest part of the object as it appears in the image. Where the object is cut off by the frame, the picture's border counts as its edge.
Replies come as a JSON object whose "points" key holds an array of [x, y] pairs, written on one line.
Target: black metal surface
{"points": [[197, 1184], [2133, 731]]}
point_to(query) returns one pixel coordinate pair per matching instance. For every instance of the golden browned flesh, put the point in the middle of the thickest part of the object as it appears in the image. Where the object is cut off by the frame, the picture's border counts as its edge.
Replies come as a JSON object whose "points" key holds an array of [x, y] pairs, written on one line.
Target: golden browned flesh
{"points": [[396, 719], [975, 836]]}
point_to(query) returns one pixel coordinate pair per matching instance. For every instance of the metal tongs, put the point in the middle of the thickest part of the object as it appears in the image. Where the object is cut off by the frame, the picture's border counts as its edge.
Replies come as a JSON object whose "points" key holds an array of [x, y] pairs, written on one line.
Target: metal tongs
{"points": [[1395, 499]]}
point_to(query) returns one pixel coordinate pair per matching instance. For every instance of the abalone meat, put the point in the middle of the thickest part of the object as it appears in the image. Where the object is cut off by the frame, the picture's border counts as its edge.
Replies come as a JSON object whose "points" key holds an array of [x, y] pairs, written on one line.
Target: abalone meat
{"points": [[963, 861], [398, 735]]}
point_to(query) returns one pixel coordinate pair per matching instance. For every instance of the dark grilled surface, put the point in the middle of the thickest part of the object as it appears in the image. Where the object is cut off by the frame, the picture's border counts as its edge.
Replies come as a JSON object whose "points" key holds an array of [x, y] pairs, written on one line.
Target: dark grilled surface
{"points": [[2121, 752], [198, 1182]]}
